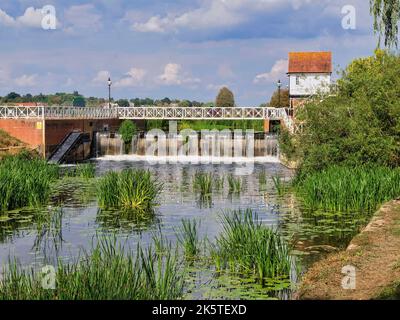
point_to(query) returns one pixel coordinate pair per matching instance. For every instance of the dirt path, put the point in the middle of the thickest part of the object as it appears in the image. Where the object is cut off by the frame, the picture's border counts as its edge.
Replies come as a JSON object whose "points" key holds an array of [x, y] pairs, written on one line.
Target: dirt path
{"points": [[375, 254]]}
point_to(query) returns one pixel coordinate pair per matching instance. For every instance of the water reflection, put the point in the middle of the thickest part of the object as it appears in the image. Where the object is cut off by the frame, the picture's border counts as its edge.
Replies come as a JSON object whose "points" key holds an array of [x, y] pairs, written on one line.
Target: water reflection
{"points": [[73, 219]]}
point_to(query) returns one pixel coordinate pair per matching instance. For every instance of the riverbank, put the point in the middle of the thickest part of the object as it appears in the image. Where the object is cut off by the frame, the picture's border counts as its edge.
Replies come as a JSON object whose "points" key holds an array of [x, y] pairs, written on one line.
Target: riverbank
{"points": [[375, 254]]}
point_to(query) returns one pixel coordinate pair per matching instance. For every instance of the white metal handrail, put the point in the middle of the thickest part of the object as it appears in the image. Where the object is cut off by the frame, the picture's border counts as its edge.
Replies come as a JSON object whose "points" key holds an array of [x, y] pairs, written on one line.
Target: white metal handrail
{"points": [[146, 112]]}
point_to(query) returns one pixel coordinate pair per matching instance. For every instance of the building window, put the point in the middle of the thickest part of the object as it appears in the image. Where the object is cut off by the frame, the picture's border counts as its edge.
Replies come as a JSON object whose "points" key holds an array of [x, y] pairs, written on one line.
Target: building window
{"points": [[297, 80]]}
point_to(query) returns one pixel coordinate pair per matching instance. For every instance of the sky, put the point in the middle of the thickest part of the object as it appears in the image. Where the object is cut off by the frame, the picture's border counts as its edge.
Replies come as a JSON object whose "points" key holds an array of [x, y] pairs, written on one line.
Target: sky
{"points": [[183, 49]]}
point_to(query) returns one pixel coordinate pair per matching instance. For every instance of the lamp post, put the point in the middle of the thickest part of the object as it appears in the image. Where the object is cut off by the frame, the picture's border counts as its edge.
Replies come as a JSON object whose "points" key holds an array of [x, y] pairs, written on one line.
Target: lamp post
{"points": [[279, 92], [109, 92]]}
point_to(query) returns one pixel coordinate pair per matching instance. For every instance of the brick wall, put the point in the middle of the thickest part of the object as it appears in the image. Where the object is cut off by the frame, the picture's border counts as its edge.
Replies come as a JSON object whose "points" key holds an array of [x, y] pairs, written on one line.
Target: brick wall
{"points": [[28, 131]]}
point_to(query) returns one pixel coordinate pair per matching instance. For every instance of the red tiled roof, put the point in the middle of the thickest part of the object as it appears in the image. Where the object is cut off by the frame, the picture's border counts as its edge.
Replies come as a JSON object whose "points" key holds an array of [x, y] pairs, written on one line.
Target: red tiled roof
{"points": [[313, 62], [27, 104]]}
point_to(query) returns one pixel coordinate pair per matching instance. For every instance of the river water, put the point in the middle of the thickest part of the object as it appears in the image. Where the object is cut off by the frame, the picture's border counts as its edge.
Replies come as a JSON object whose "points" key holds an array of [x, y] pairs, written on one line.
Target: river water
{"points": [[77, 219]]}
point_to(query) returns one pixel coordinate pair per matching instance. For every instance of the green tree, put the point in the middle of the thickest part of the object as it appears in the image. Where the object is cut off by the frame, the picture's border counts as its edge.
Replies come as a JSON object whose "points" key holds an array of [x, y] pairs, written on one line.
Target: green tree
{"points": [[127, 130], [360, 125], [282, 102], [225, 99], [123, 103], [79, 101], [386, 15]]}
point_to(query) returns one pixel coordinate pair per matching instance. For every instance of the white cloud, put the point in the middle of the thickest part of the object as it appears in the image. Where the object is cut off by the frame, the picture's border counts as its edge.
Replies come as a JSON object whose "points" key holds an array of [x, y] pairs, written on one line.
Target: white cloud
{"points": [[173, 76], [101, 77], [215, 14], [133, 78], [26, 80], [32, 18], [82, 17], [6, 20], [279, 69]]}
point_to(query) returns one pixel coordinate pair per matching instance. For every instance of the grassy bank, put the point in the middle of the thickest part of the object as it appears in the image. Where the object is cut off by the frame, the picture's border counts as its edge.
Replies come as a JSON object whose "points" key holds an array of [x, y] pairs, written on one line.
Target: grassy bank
{"points": [[346, 189], [375, 254]]}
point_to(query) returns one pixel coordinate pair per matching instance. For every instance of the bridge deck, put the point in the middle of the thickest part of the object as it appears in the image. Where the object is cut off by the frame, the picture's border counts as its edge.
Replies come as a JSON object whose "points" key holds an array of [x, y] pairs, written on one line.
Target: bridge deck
{"points": [[147, 112]]}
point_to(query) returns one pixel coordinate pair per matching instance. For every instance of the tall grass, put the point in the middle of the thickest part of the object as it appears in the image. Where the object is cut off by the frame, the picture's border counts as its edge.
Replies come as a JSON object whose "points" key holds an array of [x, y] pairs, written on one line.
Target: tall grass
{"points": [[245, 246], [279, 185], [188, 237], [25, 183], [130, 189], [235, 184], [203, 183], [85, 170], [347, 189], [108, 272]]}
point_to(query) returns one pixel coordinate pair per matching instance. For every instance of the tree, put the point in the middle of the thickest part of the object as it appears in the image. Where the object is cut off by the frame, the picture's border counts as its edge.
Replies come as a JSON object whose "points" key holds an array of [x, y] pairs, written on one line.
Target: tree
{"points": [[386, 15], [166, 101], [127, 130], [360, 125], [12, 96], [225, 99], [79, 101], [123, 103], [185, 104], [284, 99]]}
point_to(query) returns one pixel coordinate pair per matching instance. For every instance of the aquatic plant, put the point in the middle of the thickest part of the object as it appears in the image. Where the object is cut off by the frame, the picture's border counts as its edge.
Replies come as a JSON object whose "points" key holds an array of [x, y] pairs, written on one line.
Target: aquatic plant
{"points": [[188, 237], [25, 183], [279, 185], [346, 189], [134, 190], [245, 246], [108, 272], [85, 170], [203, 183], [218, 182], [235, 184]]}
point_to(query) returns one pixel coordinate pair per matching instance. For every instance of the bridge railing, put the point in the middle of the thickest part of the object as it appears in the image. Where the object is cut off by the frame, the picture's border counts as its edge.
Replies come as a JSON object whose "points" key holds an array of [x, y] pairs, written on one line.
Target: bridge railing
{"points": [[200, 113], [146, 112]]}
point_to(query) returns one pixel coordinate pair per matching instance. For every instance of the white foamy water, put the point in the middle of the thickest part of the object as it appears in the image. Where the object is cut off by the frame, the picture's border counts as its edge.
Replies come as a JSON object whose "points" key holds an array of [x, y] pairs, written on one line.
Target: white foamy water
{"points": [[189, 159]]}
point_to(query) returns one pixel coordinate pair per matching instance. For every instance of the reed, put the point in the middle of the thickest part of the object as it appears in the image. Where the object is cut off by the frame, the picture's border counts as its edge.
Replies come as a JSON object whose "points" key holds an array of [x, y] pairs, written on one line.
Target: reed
{"points": [[279, 185], [245, 246], [85, 170], [203, 183], [346, 189], [235, 184], [188, 237], [108, 272], [25, 183], [133, 190]]}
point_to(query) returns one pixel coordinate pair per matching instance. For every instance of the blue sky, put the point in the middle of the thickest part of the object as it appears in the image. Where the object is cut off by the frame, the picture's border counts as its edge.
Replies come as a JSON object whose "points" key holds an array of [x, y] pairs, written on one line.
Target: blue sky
{"points": [[185, 49]]}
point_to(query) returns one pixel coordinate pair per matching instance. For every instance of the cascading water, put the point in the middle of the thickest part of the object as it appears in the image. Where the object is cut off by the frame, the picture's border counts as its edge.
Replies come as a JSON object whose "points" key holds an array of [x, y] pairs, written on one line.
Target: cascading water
{"points": [[263, 147]]}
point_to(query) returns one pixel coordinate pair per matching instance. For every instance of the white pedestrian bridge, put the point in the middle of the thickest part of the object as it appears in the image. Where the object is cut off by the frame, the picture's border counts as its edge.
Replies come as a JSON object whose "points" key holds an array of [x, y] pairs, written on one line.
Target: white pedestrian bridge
{"points": [[146, 113]]}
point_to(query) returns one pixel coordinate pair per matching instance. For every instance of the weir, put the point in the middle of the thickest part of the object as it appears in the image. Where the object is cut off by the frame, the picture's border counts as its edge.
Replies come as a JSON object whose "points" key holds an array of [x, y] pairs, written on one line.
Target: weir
{"points": [[215, 147], [45, 127]]}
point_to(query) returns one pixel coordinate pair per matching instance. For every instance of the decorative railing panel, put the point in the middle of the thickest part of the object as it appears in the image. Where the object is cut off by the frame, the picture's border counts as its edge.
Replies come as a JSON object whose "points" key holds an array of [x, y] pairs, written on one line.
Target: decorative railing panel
{"points": [[146, 112]]}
